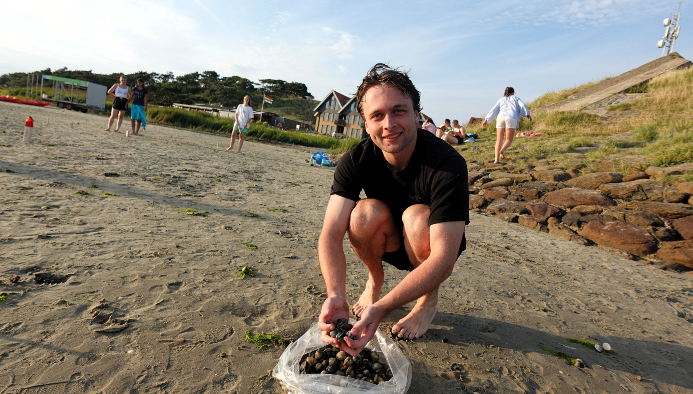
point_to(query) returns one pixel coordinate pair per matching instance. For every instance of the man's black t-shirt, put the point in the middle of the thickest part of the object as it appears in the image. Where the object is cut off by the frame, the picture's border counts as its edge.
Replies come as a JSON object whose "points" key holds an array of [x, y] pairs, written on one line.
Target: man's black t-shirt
{"points": [[138, 96], [435, 176]]}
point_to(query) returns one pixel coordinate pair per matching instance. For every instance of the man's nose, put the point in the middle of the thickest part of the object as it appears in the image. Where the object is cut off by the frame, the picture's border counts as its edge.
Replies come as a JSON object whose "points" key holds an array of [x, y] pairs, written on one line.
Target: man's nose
{"points": [[389, 121]]}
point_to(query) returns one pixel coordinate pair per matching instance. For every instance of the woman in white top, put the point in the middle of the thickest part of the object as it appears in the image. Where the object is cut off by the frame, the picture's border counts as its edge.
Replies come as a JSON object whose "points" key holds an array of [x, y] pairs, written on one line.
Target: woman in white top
{"points": [[121, 97], [244, 112], [508, 109]]}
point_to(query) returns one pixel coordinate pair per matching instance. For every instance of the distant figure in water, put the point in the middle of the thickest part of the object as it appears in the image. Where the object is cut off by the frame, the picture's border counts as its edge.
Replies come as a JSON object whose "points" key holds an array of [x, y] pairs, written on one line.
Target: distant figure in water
{"points": [[121, 97], [508, 109], [244, 112], [138, 111]]}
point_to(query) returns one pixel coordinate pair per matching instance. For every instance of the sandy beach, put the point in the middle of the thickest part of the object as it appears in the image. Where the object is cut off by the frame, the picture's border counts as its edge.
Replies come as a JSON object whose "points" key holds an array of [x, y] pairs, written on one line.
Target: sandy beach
{"points": [[130, 262]]}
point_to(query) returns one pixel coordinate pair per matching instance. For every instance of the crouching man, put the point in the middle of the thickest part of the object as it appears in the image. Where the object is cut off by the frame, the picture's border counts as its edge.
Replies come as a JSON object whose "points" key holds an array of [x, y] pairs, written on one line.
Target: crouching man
{"points": [[413, 217]]}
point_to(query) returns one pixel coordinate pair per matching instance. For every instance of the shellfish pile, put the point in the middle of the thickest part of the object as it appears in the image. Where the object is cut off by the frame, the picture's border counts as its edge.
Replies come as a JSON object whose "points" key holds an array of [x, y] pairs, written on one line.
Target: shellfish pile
{"points": [[342, 329], [366, 366]]}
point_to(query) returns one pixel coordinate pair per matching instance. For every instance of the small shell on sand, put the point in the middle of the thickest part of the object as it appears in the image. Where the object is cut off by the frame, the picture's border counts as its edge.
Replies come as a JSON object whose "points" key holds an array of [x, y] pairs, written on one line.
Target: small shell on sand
{"points": [[606, 346], [598, 348]]}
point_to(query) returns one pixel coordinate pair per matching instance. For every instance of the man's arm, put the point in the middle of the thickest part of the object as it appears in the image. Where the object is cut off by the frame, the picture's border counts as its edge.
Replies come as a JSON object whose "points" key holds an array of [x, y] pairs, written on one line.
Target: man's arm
{"points": [[333, 263], [445, 239]]}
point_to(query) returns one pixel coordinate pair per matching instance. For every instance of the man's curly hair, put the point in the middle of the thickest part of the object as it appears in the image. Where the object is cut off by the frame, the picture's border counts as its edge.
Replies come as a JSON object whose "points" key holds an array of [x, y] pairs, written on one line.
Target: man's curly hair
{"points": [[382, 74]]}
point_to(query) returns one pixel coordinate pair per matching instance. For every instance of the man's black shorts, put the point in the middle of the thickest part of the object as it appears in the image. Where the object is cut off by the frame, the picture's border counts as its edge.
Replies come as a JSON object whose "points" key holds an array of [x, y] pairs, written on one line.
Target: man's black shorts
{"points": [[400, 260]]}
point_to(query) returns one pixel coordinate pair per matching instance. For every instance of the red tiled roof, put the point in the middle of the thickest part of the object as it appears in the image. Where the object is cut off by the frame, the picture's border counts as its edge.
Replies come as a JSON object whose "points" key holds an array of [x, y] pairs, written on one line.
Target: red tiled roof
{"points": [[342, 98]]}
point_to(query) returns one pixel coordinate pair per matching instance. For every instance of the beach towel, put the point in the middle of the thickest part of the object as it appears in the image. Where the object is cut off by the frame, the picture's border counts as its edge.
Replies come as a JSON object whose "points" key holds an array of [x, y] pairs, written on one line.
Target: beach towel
{"points": [[527, 134], [137, 113]]}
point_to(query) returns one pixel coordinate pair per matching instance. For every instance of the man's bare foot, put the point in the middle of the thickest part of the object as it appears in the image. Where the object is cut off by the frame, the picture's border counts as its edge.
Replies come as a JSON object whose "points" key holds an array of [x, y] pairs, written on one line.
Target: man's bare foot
{"points": [[229, 148], [369, 297], [502, 156], [106, 129], [416, 323]]}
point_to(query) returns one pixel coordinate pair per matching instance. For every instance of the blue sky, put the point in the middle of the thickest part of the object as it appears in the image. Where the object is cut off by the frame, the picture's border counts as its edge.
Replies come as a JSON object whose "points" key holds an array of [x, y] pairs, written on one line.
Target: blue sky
{"points": [[461, 54]]}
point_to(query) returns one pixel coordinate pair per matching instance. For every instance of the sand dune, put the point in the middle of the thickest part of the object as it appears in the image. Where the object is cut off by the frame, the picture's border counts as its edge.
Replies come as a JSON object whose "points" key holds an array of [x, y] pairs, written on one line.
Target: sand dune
{"points": [[132, 261]]}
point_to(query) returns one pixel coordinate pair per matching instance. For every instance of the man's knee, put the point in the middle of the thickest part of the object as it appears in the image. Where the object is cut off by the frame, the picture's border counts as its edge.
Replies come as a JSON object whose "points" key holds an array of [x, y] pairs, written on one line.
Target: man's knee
{"points": [[369, 214], [416, 230]]}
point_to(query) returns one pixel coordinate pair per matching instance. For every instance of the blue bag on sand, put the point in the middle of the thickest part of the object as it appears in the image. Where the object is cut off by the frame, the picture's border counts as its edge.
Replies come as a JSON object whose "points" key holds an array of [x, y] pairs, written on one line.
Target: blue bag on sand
{"points": [[318, 156], [326, 162]]}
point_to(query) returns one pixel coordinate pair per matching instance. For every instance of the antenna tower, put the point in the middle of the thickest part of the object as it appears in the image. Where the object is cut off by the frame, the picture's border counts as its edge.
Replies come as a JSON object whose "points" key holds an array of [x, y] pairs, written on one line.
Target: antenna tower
{"points": [[671, 33]]}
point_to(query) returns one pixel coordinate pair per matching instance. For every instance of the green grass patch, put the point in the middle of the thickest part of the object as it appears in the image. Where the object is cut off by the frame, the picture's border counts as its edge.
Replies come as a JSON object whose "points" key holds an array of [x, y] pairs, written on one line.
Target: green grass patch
{"points": [[82, 192], [192, 212], [107, 194], [94, 186], [568, 359], [3, 298], [10, 171], [65, 171], [245, 271], [217, 180], [278, 210], [249, 245], [580, 143], [252, 215], [587, 344], [646, 133], [206, 122], [262, 341], [620, 107]]}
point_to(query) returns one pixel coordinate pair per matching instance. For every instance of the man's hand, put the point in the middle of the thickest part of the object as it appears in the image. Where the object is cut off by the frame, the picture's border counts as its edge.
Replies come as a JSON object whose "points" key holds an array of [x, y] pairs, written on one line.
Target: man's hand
{"points": [[363, 330], [333, 308]]}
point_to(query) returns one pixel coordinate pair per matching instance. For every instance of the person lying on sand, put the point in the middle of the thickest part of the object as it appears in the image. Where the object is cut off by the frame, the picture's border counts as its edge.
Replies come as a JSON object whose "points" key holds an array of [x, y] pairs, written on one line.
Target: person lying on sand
{"points": [[413, 217]]}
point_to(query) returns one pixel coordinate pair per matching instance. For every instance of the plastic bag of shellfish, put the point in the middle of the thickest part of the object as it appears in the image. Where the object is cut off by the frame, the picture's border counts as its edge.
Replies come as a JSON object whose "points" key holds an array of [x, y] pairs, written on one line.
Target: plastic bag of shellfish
{"points": [[287, 369]]}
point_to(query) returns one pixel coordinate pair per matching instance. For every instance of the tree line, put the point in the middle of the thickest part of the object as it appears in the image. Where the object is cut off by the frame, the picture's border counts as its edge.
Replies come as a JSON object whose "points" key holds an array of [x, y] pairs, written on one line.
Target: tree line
{"points": [[165, 89]]}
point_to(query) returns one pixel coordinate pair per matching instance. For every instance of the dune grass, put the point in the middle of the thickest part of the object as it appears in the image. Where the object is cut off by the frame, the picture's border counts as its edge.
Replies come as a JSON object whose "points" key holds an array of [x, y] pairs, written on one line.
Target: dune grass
{"points": [[206, 122], [655, 130]]}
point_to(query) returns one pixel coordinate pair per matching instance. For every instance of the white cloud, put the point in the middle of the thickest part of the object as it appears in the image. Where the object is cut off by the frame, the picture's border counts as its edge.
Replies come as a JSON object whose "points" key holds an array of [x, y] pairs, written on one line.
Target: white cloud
{"points": [[342, 42]]}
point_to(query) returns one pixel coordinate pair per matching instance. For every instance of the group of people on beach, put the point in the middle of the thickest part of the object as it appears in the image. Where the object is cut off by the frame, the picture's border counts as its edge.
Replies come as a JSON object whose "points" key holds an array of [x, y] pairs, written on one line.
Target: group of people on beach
{"points": [[122, 96], [416, 207], [508, 110]]}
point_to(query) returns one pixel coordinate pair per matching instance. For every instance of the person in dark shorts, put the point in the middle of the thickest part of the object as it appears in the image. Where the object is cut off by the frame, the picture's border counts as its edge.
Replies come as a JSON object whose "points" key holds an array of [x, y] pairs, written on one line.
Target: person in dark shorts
{"points": [[413, 216], [138, 111], [454, 135], [121, 96]]}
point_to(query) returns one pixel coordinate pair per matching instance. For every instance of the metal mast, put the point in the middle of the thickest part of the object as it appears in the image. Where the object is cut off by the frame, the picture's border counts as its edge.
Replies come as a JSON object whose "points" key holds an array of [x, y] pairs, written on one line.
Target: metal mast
{"points": [[671, 32]]}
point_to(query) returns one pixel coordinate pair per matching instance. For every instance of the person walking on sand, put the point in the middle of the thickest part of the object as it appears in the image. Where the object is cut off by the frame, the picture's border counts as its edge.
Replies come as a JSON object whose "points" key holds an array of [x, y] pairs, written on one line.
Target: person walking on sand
{"points": [[244, 112], [413, 216], [138, 110], [121, 97], [508, 109]]}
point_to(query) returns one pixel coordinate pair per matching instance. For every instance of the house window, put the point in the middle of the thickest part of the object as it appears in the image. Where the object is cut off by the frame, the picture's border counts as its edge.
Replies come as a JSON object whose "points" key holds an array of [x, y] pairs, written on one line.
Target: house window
{"points": [[322, 129], [331, 129]]}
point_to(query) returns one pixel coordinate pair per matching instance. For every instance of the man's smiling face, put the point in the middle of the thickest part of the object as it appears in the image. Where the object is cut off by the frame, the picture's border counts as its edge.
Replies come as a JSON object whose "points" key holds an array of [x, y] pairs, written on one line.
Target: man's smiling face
{"points": [[390, 119]]}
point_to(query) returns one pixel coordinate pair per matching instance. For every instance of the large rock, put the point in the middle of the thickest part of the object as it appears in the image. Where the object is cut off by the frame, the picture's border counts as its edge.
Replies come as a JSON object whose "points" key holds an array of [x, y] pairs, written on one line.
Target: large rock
{"points": [[639, 218], [476, 201], [473, 176], [471, 166], [551, 175], [594, 180], [643, 190], [572, 197], [665, 210], [498, 182], [563, 232], [589, 209], [503, 206], [684, 226], [659, 173], [532, 222], [495, 193], [620, 235], [540, 210], [515, 177], [665, 234], [635, 176], [686, 187], [572, 219], [679, 252], [534, 190]]}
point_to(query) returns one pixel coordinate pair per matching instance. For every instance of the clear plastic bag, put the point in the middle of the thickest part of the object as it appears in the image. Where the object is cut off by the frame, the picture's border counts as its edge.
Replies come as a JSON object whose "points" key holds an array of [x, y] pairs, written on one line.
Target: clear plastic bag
{"points": [[287, 373]]}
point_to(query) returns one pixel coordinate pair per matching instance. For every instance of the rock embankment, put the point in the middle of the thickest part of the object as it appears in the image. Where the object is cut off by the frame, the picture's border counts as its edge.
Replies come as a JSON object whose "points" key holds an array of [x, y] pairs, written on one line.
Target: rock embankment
{"points": [[638, 216]]}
